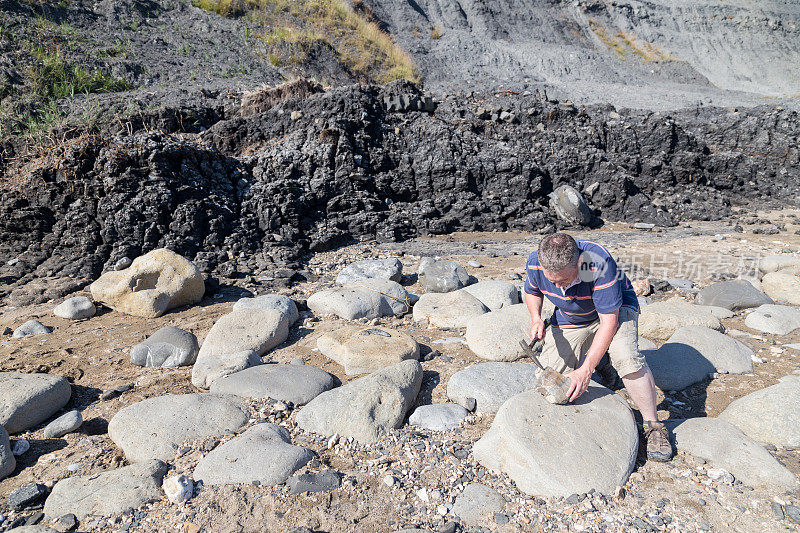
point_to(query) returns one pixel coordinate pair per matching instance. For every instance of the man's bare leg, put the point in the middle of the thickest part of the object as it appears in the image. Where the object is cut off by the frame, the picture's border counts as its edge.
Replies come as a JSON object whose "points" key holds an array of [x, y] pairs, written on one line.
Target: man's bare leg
{"points": [[642, 389]]}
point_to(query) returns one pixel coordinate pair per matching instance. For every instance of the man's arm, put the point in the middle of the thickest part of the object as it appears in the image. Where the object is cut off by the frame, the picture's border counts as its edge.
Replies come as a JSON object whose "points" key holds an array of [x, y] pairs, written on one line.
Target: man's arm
{"points": [[534, 303], [602, 340]]}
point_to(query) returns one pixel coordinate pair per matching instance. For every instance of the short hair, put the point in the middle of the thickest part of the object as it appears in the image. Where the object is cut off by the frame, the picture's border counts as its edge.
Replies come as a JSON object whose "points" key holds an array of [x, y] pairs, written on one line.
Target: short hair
{"points": [[557, 252]]}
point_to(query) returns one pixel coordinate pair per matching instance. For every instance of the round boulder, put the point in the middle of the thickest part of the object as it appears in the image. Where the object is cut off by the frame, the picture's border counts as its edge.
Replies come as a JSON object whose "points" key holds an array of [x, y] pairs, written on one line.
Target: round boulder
{"points": [[659, 320], [7, 461], [368, 298], [76, 308], [782, 286], [570, 206], [363, 350], [448, 310], [773, 263], [774, 319], [438, 416], [443, 276], [29, 399], [287, 383], [734, 295], [771, 415], [30, 328], [490, 384], [495, 336], [494, 294], [278, 302], [167, 347], [390, 268]]}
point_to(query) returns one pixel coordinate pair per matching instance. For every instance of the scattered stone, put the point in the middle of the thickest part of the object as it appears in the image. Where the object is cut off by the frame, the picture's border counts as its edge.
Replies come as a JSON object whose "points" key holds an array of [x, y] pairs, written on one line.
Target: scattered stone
{"points": [[122, 263], [207, 370], [570, 206], [363, 350], [683, 285], [26, 496], [443, 276], [474, 264], [178, 489], [154, 428], [277, 302], [288, 383], [29, 399], [734, 295], [76, 308], [66, 423], [389, 481], [391, 269], [448, 310], [368, 298], [660, 320], [66, 523], [692, 353], [110, 493], [643, 226], [793, 512], [477, 504], [167, 347], [494, 294], [366, 408], [262, 454], [528, 436], [782, 286], [323, 481], [773, 263], [721, 475], [438, 416], [725, 446], [20, 446], [774, 319], [495, 336], [154, 283], [30, 328], [771, 415], [490, 384], [641, 287], [7, 461]]}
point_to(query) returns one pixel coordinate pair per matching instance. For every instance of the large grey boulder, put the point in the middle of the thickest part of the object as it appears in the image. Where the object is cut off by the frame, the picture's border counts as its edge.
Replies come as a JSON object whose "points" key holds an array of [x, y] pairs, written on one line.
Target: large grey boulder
{"points": [[31, 328], [477, 504], [277, 302], [773, 263], [774, 319], [262, 454], [494, 294], [660, 320], [438, 416], [29, 399], [734, 295], [247, 329], [570, 206], [298, 384], [167, 347], [208, 369], [110, 493], [7, 461], [447, 310], [529, 436], [782, 286], [443, 276], [390, 268], [369, 298], [366, 408], [75, 308], [490, 384], [725, 446], [363, 350], [771, 415], [153, 428], [693, 352], [495, 336]]}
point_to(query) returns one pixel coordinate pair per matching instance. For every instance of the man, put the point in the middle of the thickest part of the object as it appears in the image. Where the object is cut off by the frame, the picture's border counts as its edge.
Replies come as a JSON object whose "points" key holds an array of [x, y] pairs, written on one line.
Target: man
{"points": [[596, 312]]}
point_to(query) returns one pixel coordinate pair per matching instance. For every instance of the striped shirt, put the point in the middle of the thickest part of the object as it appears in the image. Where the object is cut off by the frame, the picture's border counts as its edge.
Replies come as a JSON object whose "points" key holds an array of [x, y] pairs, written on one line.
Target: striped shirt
{"points": [[600, 287]]}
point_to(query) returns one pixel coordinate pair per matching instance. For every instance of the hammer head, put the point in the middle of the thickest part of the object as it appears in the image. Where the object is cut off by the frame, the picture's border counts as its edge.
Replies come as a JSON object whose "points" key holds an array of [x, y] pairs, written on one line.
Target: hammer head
{"points": [[553, 386]]}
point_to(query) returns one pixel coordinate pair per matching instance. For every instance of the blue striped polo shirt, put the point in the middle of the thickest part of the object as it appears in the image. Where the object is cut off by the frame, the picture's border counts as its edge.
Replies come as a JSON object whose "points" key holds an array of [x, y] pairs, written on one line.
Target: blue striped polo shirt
{"points": [[600, 286]]}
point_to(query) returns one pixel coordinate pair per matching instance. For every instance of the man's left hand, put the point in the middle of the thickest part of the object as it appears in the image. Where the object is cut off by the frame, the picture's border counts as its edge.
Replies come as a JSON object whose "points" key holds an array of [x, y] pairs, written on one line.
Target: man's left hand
{"points": [[579, 379]]}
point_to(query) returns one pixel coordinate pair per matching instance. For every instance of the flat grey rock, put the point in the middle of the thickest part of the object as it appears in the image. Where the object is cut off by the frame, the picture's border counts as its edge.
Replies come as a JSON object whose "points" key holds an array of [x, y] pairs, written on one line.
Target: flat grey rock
{"points": [[719, 312], [693, 352], [30, 328], [494, 294], [361, 350], [75, 308], [390, 268], [29, 399], [263, 453], [154, 428], [529, 435], [450, 310], [366, 408], [277, 302], [782, 286], [477, 504], [771, 415], [570, 206], [167, 347], [209, 368], [369, 298], [66, 423], [659, 320], [287, 383], [7, 461], [490, 384], [774, 319], [438, 416], [324, 481], [495, 336], [734, 295], [110, 493], [723, 445], [443, 276], [258, 330]]}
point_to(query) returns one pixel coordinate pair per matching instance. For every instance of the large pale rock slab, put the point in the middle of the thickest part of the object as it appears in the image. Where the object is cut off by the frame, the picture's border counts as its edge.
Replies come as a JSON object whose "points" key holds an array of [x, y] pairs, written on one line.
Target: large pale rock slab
{"points": [[154, 428], [442, 276], [369, 298], [76, 308], [109, 493], [263, 453], [693, 352], [447, 310], [154, 283], [771, 415], [167, 347], [248, 329], [773, 263], [366, 408], [298, 384], [210, 368], [363, 350], [529, 435], [723, 445], [7, 461], [278, 302], [477, 504], [782, 286], [495, 336], [390, 268], [734, 295], [774, 319], [494, 294], [660, 320], [490, 384], [438, 416], [29, 399]]}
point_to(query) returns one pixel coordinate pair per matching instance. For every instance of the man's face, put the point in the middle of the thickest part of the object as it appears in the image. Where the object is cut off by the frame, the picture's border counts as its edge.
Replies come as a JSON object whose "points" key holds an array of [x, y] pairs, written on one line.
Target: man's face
{"points": [[564, 278]]}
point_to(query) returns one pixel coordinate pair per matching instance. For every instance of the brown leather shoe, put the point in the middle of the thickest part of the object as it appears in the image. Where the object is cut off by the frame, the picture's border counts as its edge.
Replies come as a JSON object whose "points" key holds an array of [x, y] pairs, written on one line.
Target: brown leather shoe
{"points": [[658, 445]]}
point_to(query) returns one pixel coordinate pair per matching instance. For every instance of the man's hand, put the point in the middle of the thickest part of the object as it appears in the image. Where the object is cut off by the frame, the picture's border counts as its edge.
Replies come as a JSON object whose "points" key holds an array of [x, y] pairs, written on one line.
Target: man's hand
{"points": [[537, 329], [579, 379]]}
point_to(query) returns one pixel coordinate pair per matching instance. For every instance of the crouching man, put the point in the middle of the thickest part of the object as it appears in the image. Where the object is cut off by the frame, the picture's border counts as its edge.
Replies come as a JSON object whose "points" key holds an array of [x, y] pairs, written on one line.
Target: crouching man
{"points": [[596, 313]]}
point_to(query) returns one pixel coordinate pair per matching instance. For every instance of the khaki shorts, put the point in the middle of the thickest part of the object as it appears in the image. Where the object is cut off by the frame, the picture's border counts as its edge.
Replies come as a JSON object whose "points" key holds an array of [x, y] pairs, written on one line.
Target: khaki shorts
{"points": [[564, 348]]}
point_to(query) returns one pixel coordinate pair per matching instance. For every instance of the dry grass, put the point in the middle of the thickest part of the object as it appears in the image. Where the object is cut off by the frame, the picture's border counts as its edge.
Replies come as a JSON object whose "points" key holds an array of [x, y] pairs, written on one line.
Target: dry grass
{"points": [[624, 43]]}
